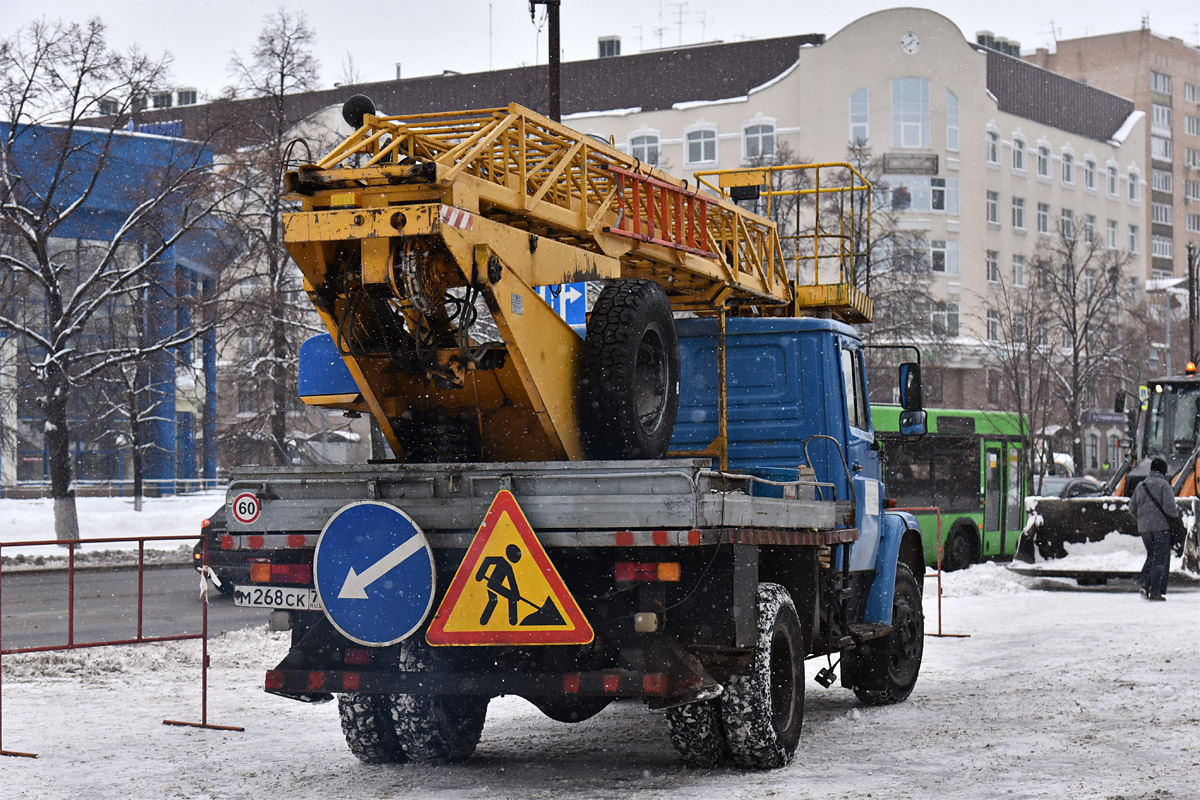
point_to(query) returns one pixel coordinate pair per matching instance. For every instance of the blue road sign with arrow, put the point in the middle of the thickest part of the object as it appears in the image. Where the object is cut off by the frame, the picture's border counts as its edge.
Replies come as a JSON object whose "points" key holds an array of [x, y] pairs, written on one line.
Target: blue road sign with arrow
{"points": [[374, 573], [568, 300]]}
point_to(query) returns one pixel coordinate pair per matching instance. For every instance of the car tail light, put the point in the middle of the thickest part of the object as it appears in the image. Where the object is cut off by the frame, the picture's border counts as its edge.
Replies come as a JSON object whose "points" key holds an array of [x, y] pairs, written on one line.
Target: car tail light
{"points": [[629, 571]]}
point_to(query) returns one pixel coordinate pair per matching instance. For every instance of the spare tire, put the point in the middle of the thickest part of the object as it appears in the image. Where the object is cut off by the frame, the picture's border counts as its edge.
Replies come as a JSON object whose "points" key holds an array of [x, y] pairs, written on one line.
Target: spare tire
{"points": [[629, 375]]}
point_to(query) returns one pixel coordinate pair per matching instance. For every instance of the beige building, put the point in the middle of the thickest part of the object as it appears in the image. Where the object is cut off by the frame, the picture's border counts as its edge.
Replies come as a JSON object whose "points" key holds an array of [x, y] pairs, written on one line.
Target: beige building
{"points": [[985, 156], [1162, 77]]}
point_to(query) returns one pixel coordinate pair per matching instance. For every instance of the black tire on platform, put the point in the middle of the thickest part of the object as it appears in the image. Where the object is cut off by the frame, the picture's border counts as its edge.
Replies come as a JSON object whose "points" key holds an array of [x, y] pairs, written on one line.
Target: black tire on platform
{"points": [[367, 726], [697, 734], [629, 376], [435, 728], [762, 712], [962, 546], [886, 669]]}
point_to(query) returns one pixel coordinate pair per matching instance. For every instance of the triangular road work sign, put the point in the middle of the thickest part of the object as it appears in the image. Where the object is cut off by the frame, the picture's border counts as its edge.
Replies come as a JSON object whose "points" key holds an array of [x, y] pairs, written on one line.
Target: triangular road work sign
{"points": [[506, 591]]}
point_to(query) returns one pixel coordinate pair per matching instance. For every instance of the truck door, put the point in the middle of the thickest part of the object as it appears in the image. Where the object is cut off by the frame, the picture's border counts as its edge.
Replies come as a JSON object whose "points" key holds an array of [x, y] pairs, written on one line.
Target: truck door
{"points": [[862, 460]]}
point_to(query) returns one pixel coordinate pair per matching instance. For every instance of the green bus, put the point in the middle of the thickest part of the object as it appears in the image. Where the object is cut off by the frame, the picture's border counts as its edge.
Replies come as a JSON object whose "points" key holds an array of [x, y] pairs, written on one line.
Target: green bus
{"points": [[969, 466]]}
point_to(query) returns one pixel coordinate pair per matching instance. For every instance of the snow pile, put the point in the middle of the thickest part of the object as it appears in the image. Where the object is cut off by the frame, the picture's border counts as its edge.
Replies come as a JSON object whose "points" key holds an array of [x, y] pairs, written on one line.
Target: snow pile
{"points": [[104, 517], [981, 580]]}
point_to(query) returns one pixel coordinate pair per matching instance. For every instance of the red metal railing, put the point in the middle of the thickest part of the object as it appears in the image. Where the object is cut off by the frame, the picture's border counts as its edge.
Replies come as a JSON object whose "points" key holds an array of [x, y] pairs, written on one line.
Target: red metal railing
{"points": [[938, 511], [140, 637]]}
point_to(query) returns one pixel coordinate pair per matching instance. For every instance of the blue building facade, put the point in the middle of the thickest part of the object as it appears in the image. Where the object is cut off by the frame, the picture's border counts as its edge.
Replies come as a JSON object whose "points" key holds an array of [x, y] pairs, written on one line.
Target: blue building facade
{"points": [[179, 405]]}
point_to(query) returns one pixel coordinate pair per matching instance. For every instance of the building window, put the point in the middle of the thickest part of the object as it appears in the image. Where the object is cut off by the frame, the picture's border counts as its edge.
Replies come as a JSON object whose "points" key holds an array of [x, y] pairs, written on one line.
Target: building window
{"points": [[1160, 148], [247, 399], [860, 126], [1068, 224], [1161, 213], [1191, 92], [1018, 155], [937, 195], [1160, 119], [1191, 191], [993, 335], [1191, 125], [993, 147], [1112, 181], [1068, 168], [701, 146], [1043, 218], [1089, 227], [760, 141], [1160, 82], [1043, 162], [162, 99], [910, 112], [1193, 223], [1018, 213], [993, 208], [1133, 238], [1089, 175], [1160, 180], [109, 108], [943, 256], [944, 317], [1160, 246], [1191, 158], [645, 148], [951, 120], [1112, 234], [186, 97], [992, 260], [1018, 271], [1135, 187]]}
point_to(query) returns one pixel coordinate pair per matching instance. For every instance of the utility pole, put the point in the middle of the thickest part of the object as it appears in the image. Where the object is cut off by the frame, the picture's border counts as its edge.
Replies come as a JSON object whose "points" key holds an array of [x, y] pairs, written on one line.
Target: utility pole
{"points": [[552, 7]]}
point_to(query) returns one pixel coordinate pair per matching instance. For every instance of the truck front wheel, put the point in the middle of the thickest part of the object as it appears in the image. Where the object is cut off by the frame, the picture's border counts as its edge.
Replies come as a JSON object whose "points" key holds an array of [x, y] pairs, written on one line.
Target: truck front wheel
{"points": [[367, 726], [885, 670], [762, 712]]}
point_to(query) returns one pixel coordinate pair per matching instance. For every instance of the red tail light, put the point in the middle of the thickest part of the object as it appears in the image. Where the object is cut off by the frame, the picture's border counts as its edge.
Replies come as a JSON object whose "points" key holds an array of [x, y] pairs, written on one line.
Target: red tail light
{"points": [[629, 571]]}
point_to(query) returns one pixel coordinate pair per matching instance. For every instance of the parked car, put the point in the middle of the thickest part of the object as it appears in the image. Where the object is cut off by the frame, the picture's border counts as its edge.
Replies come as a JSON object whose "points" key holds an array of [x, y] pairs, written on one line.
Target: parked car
{"points": [[1064, 486]]}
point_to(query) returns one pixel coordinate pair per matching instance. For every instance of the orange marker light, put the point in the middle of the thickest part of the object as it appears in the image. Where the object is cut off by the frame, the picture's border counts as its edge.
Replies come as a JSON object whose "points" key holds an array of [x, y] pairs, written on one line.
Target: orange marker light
{"points": [[1190, 368]]}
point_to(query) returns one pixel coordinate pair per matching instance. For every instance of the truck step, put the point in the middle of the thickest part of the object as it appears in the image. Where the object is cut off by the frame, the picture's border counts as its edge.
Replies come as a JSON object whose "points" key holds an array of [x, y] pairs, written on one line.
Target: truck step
{"points": [[865, 631]]}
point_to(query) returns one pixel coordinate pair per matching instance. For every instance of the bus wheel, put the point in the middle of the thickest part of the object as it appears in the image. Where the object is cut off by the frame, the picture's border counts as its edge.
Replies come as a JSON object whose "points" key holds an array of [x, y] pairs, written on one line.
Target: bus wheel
{"points": [[961, 549]]}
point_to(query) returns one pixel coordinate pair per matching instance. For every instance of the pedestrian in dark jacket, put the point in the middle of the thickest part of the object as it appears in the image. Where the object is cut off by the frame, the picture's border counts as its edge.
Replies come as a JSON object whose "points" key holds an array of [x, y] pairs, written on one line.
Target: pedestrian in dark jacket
{"points": [[1152, 503]]}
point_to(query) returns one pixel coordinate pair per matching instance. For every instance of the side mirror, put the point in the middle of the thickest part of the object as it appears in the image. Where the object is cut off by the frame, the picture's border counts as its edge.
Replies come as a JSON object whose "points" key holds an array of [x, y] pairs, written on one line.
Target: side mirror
{"points": [[1119, 403], [913, 423], [910, 386]]}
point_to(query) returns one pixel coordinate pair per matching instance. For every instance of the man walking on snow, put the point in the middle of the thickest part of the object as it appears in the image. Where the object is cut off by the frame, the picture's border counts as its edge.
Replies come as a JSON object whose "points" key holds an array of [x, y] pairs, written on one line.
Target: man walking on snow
{"points": [[1153, 506]]}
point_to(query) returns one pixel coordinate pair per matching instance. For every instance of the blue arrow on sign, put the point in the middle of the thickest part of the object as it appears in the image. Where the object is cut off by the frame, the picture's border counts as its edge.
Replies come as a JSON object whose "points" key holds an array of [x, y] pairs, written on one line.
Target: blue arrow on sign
{"points": [[568, 300], [374, 573]]}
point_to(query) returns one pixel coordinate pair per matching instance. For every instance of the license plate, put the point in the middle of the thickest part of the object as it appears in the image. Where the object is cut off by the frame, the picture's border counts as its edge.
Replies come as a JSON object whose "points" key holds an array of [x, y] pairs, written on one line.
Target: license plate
{"points": [[294, 599]]}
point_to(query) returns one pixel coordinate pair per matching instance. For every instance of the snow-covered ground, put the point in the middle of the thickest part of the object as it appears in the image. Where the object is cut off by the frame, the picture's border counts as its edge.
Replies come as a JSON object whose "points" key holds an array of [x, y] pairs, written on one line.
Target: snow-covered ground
{"points": [[1058, 692], [105, 517]]}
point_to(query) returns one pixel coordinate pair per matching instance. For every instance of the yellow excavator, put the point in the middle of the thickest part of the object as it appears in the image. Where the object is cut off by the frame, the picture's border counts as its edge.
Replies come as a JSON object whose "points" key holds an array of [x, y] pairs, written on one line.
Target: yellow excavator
{"points": [[1170, 427]]}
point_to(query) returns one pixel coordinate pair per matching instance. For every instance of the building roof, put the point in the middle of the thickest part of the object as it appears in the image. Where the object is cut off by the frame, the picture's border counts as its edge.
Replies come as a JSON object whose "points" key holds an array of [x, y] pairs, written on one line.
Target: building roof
{"points": [[1026, 90], [650, 81]]}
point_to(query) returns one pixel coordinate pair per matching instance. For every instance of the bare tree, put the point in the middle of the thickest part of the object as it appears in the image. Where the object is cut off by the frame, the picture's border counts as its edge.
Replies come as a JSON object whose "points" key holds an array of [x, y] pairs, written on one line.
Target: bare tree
{"points": [[267, 314], [1078, 283], [54, 169]]}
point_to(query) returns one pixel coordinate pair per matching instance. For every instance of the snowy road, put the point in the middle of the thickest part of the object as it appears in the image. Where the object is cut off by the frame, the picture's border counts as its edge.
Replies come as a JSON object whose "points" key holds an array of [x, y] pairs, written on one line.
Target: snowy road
{"points": [[1058, 693]]}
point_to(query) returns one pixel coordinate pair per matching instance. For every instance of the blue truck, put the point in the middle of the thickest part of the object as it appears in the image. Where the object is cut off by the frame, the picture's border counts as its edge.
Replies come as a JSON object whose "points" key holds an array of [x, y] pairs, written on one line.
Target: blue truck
{"points": [[682, 506], [702, 591]]}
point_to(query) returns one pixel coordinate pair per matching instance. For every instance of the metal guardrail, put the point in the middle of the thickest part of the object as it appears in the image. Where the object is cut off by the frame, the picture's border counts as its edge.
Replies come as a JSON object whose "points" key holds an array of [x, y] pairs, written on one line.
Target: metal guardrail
{"points": [[119, 488], [139, 637]]}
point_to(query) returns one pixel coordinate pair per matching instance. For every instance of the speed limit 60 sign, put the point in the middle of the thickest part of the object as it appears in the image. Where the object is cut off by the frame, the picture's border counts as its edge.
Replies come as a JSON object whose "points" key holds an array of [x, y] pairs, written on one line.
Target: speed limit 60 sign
{"points": [[246, 508]]}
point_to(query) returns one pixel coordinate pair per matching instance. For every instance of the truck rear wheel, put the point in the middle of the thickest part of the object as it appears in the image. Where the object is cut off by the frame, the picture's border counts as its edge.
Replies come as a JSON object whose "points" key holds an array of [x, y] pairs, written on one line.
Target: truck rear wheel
{"points": [[435, 728], [697, 734], [762, 712], [629, 376], [885, 670], [367, 726]]}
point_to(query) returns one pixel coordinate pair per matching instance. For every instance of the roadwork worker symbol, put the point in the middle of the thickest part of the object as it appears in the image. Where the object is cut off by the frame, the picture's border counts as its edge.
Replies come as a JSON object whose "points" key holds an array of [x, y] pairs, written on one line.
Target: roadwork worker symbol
{"points": [[497, 573], [506, 590]]}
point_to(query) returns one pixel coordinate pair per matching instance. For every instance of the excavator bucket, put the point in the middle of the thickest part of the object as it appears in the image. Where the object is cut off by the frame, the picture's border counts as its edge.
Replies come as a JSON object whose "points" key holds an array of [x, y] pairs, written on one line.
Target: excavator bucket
{"points": [[1094, 539]]}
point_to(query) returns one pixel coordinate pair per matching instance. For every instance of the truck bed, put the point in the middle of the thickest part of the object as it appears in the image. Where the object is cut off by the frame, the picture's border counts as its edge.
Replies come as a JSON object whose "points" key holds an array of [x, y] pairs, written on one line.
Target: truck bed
{"points": [[582, 503]]}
